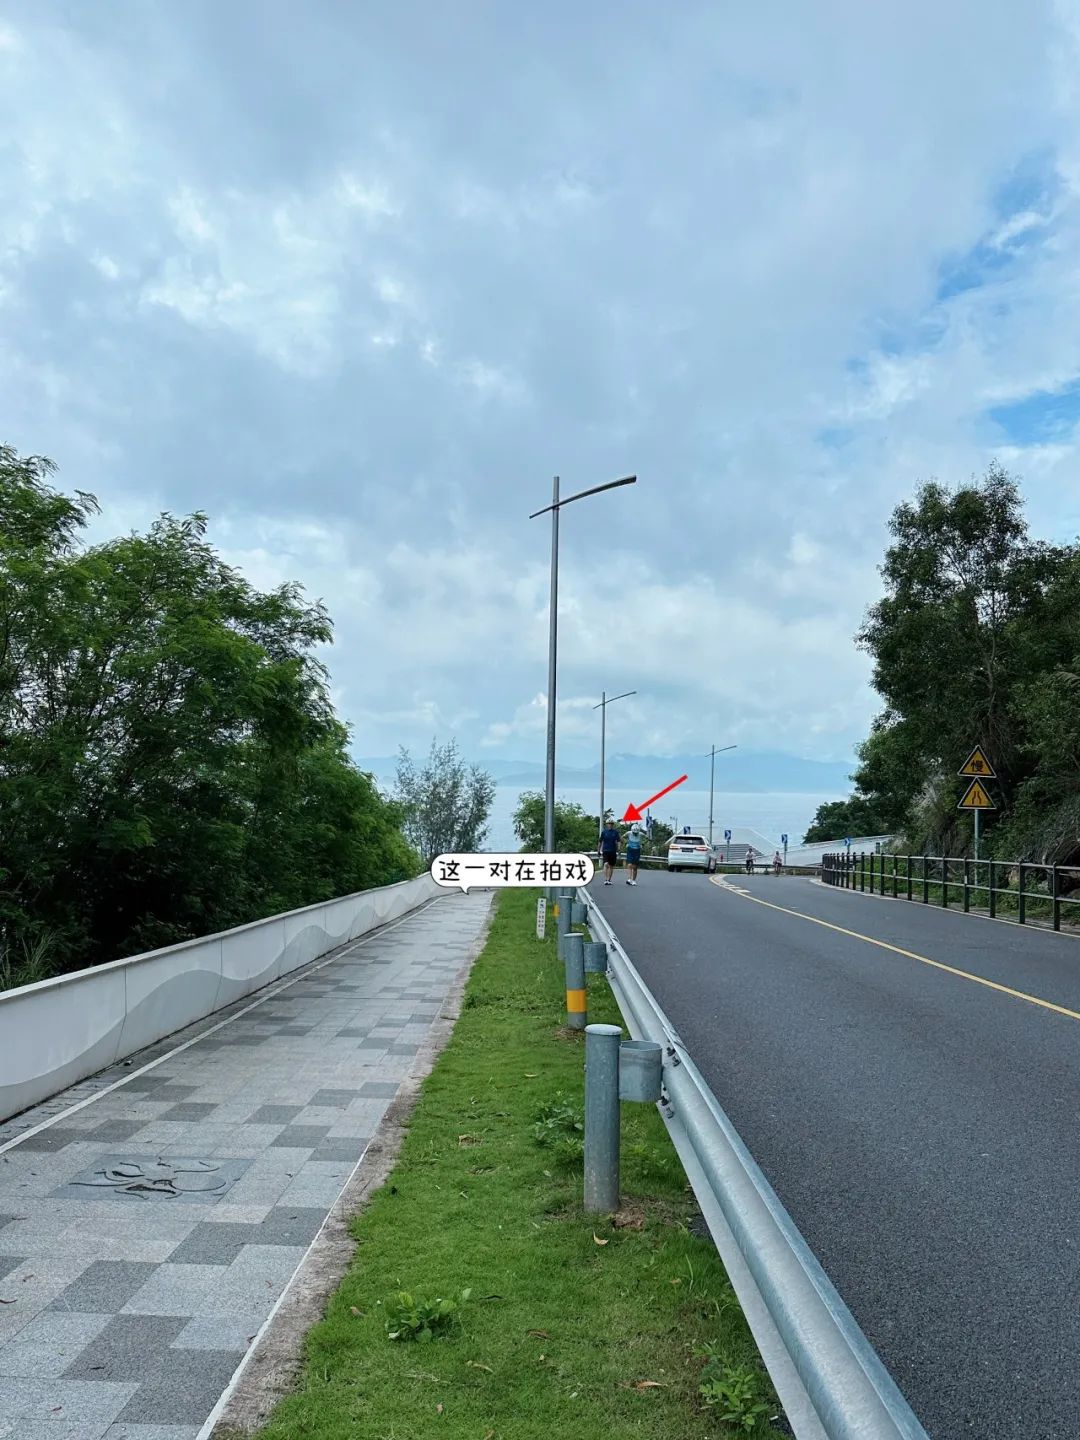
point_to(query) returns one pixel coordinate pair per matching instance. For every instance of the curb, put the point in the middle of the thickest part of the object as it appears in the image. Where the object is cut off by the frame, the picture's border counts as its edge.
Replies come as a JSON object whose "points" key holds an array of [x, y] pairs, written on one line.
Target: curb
{"points": [[272, 1366]]}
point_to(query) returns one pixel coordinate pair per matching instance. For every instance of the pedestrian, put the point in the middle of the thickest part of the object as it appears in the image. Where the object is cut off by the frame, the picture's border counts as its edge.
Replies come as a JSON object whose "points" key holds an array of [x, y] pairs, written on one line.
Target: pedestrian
{"points": [[633, 854], [609, 849], [777, 863], [749, 859]]}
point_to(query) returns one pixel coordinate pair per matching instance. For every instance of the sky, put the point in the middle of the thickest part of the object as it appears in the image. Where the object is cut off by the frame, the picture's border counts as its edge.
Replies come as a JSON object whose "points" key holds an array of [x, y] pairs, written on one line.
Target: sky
{"points": [[359, 280]]}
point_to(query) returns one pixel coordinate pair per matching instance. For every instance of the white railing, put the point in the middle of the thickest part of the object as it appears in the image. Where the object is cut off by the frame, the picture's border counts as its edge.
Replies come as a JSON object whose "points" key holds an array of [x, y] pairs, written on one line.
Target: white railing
{"points": [[57, 1032]]}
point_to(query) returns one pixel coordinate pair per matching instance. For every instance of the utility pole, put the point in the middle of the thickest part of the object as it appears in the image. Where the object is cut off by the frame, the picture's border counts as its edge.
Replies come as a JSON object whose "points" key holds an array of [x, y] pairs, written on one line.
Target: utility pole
{"points": [[553, 639], [712, 773], [602, 707], [553, 644]]}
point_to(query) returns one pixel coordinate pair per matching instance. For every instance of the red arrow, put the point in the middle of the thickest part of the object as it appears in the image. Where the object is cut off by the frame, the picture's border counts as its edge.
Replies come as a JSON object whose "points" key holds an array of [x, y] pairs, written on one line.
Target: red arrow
{"points": [[633, 812]]}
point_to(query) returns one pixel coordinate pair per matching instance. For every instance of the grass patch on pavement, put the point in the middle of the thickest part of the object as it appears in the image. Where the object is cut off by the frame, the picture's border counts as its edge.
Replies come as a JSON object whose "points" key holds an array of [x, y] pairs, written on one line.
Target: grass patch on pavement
{"points": [[517, 1316]]}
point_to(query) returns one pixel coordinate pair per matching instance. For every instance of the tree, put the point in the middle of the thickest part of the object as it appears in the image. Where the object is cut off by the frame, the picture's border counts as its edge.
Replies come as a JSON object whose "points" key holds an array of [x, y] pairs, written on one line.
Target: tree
{"points": [[576, 832], [446, 805], [840, 818], [976, 640], [170, 764], [959, 625]]}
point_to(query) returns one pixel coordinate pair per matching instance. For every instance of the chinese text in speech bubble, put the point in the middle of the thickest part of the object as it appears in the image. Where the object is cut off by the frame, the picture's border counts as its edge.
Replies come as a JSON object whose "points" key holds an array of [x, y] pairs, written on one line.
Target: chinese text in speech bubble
{"points": [[465, 872]]}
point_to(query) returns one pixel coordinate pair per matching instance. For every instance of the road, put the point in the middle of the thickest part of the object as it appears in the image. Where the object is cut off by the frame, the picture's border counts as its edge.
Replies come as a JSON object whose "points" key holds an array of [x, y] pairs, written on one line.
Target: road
{"points": [[921, 1126]]}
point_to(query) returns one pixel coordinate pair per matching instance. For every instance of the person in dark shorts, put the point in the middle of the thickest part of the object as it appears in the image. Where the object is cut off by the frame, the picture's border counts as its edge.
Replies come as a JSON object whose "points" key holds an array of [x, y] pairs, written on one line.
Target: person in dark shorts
{"points": [[609, 850], [633, 854]]}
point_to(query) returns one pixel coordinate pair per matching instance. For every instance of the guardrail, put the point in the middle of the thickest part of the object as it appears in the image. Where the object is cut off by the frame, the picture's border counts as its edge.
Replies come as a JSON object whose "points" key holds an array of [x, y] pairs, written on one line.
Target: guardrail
{"points": [[828, 1376], [939, 879], [57, 1032]]}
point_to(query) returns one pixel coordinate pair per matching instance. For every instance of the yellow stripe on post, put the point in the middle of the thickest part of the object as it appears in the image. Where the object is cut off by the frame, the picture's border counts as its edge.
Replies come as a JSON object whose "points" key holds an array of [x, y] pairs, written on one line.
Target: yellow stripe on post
{"points": [[576, 1002]]}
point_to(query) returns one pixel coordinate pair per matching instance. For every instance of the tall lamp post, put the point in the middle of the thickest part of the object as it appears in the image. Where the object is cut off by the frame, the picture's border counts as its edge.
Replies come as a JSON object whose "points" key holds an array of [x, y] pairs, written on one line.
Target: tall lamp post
{"points": [[712, 773], [602, 707], [553, 638]]}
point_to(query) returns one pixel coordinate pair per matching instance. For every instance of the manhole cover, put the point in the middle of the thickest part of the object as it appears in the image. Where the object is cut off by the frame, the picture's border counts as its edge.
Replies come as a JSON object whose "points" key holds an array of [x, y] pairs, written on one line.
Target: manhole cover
{"points": [[154, 1177]]}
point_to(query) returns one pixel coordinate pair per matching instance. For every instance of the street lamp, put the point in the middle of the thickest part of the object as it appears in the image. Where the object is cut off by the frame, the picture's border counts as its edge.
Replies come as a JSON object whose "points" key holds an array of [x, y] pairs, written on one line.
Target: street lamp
{"points": [[712, 771], [602, 707], [553, 636]]}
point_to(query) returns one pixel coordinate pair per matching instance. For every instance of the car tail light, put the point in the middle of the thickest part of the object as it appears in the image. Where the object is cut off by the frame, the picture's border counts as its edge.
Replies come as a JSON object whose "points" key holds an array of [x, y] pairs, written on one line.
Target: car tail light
{"points": [[703, 848]]}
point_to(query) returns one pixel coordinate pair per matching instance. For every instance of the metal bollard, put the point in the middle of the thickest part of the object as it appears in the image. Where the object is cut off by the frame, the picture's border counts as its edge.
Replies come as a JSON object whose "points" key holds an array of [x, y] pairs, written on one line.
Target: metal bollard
{"points": [[565, 915], [602, 1118], [578, 912], [595, 957], [577, 1003], [640, 1070]]}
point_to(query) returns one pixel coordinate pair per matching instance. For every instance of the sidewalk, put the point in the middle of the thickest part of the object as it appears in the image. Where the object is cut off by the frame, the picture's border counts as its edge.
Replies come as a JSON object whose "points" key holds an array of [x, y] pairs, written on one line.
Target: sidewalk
{"points": [[149, 1222]]}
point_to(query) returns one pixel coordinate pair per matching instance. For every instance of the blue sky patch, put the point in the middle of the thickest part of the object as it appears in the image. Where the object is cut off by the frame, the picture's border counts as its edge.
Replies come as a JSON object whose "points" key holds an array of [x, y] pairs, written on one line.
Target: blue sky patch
{"points": [[1038, 419], [1031, 186]]}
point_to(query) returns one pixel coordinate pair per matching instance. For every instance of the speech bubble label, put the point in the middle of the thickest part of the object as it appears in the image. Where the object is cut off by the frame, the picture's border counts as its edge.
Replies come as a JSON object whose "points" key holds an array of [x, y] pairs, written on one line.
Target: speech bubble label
{"points": [[465, 872]]}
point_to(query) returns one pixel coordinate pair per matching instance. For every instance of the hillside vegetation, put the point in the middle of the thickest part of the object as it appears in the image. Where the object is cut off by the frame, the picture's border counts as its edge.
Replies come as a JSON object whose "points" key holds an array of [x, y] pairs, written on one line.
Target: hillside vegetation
{"points": [[170, 762], [976, 640]]}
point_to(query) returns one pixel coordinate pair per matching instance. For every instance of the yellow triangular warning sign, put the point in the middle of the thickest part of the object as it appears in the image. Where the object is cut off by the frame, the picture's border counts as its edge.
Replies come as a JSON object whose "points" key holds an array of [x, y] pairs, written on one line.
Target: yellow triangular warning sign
{"points": [[976, 798], [977, 764]]}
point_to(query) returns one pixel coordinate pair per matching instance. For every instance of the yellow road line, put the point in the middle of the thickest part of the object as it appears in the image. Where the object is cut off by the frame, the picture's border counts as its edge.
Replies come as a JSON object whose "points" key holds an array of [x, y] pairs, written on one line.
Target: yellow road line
{"points": [[898, 950]]}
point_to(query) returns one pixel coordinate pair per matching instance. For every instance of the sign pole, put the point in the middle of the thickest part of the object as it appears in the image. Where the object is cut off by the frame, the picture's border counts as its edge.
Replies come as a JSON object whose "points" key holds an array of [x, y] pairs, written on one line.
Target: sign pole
{"points": [[976, 837]]}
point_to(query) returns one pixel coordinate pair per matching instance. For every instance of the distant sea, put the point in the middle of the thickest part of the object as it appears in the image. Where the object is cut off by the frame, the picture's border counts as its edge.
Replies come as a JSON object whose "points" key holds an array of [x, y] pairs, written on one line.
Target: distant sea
{"points": [[772, 813]]}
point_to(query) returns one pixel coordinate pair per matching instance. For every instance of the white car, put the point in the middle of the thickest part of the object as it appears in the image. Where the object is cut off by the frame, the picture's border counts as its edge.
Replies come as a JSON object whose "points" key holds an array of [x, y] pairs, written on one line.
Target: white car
{"points": [[690, 852]]}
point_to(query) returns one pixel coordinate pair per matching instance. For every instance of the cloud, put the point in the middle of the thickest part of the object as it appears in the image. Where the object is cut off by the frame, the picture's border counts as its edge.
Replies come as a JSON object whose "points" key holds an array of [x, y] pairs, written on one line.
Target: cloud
{"points": [[360, 284]]}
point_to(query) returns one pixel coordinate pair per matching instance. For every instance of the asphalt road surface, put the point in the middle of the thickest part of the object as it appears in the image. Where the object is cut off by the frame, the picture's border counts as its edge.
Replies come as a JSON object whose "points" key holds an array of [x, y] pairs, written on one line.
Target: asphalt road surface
{"points": [[921, 1128]]}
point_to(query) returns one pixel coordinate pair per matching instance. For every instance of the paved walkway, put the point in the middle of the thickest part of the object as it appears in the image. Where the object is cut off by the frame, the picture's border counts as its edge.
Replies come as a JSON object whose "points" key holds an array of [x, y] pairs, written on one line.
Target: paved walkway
{"points": [[151, 1218]]}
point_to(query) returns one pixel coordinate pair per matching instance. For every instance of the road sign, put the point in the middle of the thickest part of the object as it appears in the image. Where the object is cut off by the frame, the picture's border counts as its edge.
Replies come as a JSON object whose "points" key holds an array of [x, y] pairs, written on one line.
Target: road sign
{"points": [[978, 764], [976, 798], [783, 839], [727, 836], [541, 917]]}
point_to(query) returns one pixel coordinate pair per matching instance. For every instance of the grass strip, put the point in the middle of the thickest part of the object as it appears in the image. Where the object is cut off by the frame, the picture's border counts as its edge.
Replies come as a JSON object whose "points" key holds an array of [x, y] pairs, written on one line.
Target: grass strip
{"points": [[574, 1324]]}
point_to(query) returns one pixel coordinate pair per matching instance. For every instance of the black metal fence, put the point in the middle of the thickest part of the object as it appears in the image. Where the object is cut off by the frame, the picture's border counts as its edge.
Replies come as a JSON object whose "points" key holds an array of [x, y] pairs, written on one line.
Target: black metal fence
{"points": [[1020, 891]]}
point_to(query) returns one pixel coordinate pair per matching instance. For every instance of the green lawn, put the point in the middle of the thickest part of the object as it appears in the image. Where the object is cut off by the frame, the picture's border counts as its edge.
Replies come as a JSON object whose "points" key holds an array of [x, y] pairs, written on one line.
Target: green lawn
{"points": [[577, 1326]]}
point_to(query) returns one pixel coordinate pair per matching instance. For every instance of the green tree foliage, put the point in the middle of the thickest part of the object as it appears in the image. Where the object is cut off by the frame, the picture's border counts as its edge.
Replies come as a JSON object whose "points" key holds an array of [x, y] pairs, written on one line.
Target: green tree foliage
{"points": [[576, 831], [976, 640], [446, 805], [170, 764], [839, 818]]}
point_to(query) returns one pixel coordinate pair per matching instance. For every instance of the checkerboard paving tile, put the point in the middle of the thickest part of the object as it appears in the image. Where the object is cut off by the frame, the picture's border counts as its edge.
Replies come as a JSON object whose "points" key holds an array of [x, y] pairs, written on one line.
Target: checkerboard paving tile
{"points": [[126, 1430], [132, 1310]]}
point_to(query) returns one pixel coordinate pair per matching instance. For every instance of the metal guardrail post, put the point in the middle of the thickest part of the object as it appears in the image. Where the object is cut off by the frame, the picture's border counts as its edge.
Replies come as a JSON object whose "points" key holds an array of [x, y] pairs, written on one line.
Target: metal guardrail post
{"points": [[907, 862], [925, 881], [1055, 892], [967, 885], [564, 919], [993, 889], [945, 882], [641, 1069], [1022, 897], [602, 1118], [577, 1002], [596, 958]]}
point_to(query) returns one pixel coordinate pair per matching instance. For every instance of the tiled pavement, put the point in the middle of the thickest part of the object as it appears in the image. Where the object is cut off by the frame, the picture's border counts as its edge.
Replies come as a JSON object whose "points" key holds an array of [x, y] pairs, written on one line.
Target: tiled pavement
{"points": [[145, 1238]]}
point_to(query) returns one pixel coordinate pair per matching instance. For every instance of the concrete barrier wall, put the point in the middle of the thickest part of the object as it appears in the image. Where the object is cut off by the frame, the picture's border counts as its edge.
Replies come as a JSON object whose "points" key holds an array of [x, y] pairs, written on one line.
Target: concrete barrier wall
{"points": [[58, 1032]]}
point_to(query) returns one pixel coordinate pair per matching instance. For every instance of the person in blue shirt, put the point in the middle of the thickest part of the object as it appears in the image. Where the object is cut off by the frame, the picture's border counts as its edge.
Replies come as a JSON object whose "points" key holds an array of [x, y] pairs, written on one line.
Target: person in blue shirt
{"points": [[609, 850], [633, 854]]}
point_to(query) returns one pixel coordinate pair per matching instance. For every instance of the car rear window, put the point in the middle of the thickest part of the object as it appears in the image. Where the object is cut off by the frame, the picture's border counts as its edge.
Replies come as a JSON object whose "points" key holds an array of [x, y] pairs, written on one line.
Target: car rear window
{"points": [[688, 840]]}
